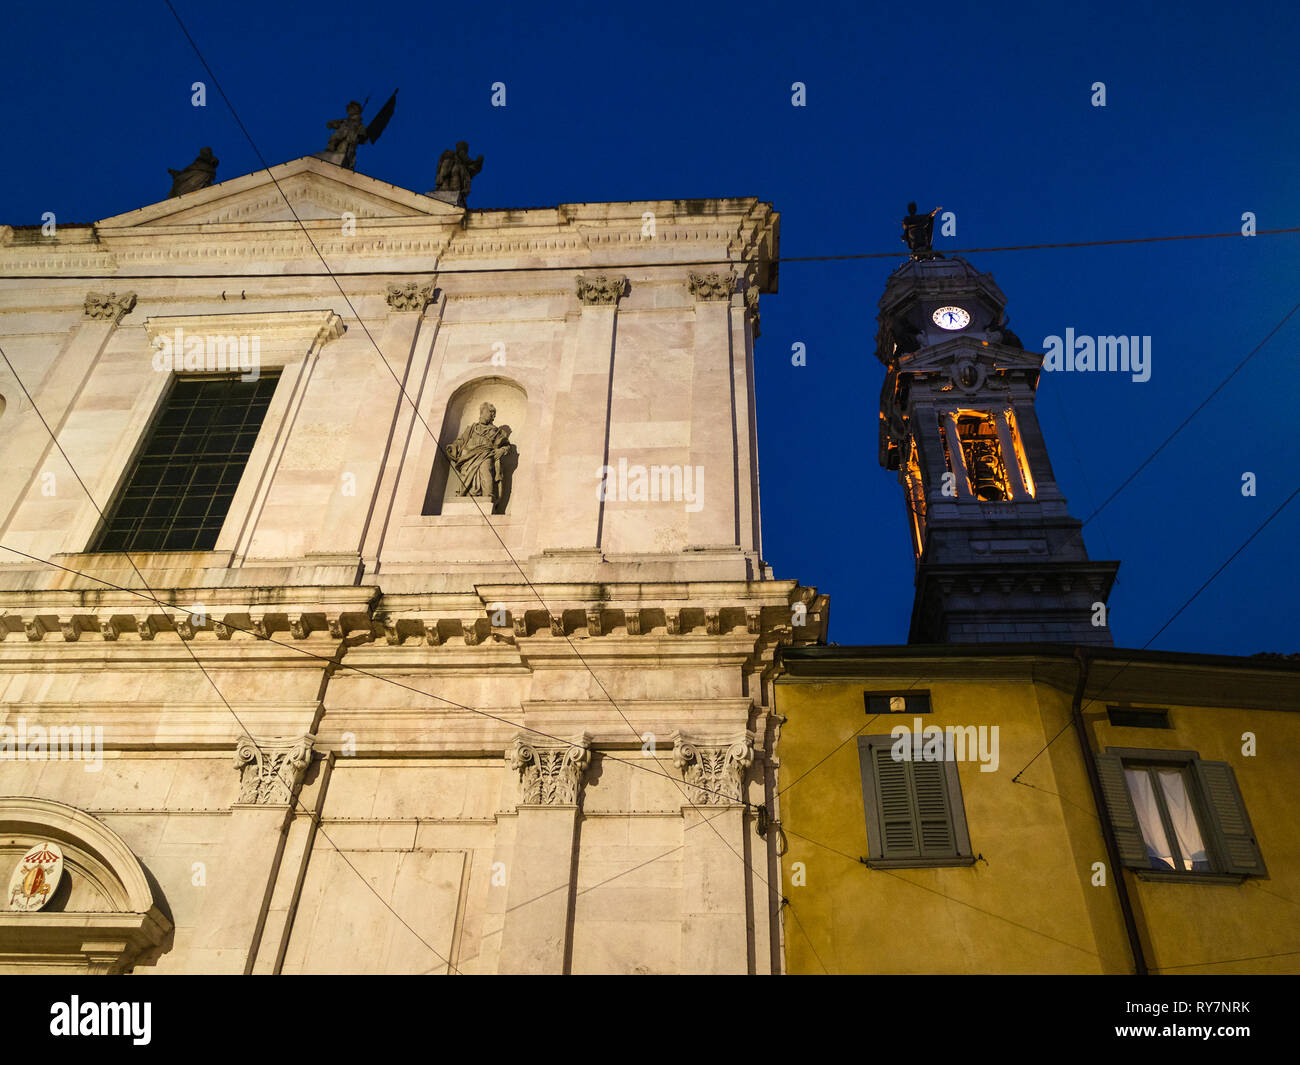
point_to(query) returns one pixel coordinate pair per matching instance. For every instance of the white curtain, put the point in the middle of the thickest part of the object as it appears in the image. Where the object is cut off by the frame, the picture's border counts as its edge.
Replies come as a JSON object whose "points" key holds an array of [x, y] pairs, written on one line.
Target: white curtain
{"points": [[1153, 829], [1186, 830]]}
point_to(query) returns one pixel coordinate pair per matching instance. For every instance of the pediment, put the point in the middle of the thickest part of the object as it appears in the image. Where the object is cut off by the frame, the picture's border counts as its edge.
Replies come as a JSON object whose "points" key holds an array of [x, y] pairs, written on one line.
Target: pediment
{"points": [[941, 357], [313, 189]]}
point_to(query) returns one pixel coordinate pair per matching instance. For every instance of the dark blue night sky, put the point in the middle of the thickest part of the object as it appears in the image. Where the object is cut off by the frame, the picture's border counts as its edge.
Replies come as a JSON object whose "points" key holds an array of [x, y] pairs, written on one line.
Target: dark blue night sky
{"points": [[986, 113]]}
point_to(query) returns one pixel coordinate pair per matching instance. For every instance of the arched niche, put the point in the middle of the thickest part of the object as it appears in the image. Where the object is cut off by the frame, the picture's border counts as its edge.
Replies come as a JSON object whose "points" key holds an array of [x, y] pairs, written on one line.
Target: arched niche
{"points": [[511, 403], [104, 914]]}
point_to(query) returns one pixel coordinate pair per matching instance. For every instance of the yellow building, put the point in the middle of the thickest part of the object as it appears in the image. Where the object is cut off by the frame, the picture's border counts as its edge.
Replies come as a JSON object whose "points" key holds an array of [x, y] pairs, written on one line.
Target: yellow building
{"points": [[986, 850]]}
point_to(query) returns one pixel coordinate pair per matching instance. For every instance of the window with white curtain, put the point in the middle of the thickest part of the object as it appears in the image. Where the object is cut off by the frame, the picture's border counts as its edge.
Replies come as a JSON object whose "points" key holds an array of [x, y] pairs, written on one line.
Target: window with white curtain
{"points": [[1167, 816]]}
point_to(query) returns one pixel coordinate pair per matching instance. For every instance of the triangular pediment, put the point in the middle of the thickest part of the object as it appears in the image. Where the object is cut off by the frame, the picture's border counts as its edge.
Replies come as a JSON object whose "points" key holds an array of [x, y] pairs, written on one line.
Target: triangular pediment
{"points": [[941, 357], [308, 187]]}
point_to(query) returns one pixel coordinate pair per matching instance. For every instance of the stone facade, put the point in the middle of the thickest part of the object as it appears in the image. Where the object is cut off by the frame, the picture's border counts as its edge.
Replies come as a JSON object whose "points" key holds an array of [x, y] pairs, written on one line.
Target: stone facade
{"points": [[380, 727]]}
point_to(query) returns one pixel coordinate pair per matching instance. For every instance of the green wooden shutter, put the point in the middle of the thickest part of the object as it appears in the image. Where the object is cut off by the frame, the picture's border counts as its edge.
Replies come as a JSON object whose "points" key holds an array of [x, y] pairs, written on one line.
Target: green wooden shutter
{"points": [[898, 821], [1229, 822], [933, 811], [1123, 817]]}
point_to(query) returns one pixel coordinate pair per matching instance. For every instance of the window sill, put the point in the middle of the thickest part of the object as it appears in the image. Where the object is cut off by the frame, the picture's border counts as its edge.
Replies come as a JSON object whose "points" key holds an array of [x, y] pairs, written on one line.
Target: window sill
{"points": [[1158, 877], [918, 863]]}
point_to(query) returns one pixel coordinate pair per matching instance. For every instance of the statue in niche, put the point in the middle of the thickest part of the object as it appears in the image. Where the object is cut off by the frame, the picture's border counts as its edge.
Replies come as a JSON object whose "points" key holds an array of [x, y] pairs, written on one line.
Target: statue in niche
{"points": [[456, 170], [482, 457], [198, 175], [918, 233]]}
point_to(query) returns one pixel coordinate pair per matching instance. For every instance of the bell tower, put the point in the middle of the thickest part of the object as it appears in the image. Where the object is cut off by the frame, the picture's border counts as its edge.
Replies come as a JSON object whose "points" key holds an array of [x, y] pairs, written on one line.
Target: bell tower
{"points": [[999, 558]]}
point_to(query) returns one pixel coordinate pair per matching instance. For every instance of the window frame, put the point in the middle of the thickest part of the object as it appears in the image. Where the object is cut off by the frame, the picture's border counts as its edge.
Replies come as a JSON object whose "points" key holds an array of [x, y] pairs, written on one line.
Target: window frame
{"points": [[873, 815], [1223, 869], [164, 404]]}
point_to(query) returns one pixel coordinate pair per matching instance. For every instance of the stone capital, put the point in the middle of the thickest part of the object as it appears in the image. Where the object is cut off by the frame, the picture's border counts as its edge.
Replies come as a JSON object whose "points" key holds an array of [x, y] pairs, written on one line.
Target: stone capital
{"points": [[550, 770], [108, 307], [270, 772], [410, 297], [712, 286], [713, 767], [601, 290]]}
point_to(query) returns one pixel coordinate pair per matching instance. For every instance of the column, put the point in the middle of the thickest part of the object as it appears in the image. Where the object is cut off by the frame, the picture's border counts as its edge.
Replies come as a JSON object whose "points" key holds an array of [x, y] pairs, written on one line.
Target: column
{"points": [[713, 423], [582, 421], [715, 878], [230, 927], [958, 456], [536, 935], [1019, 490]]}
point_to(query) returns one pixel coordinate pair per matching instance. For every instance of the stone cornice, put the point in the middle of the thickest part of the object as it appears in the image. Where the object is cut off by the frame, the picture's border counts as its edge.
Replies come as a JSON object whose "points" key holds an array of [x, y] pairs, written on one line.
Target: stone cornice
{"points": [[283, 334], [741, 612]]}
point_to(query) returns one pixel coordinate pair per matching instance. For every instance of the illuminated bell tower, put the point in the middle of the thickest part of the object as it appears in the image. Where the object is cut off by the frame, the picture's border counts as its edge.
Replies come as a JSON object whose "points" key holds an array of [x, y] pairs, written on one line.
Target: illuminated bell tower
{"points": [[999, 559]]}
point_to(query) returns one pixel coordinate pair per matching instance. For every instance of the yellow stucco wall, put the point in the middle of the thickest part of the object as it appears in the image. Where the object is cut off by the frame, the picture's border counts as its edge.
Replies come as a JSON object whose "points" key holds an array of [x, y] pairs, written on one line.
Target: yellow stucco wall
{"points": [[1185, 926], [1028, 905]]}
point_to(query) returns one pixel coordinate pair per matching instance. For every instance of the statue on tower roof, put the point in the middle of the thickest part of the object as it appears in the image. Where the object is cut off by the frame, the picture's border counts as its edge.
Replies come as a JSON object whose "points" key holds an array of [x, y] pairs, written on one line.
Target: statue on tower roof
{"points": [[198, 175], [455, 172], [918, 233]]}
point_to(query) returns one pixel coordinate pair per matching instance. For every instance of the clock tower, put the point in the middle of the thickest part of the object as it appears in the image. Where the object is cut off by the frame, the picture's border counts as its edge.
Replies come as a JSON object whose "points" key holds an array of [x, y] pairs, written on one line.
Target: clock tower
{"points": [[999, 558]]}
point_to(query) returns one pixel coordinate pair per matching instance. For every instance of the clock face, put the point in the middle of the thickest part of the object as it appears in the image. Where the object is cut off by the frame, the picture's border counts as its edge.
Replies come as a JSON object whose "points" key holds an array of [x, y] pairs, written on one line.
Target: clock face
{"points": [[951, 318]]}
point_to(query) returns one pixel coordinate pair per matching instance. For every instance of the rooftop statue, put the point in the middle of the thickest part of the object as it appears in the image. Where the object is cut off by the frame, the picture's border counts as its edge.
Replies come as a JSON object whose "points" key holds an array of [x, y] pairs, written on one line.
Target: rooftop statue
{"points": [[351, 131], [918, 232], [198, 175], [455, 172]]}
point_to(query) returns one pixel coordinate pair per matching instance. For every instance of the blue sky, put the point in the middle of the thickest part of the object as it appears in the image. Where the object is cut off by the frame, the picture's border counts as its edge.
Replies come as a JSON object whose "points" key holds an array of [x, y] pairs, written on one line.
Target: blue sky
{"points": [[986, 112]]}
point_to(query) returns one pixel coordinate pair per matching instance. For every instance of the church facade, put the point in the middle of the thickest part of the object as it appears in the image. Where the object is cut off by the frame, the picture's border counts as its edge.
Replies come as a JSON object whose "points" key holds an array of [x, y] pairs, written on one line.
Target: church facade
{"points": [[384, 588]]}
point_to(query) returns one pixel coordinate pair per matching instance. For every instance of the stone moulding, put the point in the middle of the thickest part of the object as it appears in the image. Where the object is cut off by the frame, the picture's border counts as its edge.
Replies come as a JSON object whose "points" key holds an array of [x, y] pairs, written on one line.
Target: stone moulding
{"points": [[711, 286], [222, 624], [270, 772], [550, 772], [410, 297], [601, 290], [498, 615], [281, 335], [713, 767], [132, 922], [110, 307]]}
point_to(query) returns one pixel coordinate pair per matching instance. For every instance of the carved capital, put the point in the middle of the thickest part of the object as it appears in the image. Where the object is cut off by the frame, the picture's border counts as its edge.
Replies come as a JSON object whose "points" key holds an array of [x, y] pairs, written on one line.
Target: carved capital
{"points": [[412, 296], [602, 290], [110, 307], [714, 286], [715, 770], [550, 772], [269, 773]]}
